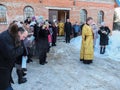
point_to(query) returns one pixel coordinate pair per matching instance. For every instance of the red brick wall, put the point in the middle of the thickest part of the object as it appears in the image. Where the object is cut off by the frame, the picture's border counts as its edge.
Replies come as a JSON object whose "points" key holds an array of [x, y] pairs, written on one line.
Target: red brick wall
{"points": [[92, 11], [15, 9]]}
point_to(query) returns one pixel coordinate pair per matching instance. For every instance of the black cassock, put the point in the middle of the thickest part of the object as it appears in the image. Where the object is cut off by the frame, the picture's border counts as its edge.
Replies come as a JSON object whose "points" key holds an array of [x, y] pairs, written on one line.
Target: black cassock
{"points": [[68, 31]]}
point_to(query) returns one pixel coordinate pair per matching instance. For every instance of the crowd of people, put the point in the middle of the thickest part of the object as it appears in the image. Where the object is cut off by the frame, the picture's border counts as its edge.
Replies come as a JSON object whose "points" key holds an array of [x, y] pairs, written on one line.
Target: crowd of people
{"points": [[23, 40], [19, 43]]}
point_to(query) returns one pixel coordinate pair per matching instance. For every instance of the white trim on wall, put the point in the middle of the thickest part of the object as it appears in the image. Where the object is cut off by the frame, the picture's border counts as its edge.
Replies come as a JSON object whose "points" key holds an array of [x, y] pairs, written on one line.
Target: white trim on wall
{"points": [[58, 8]]}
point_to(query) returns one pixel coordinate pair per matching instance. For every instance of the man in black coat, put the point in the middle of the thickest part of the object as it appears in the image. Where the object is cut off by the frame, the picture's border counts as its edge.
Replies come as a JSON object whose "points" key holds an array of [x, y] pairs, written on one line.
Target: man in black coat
{"points": [[68, 30], [10, 48]]}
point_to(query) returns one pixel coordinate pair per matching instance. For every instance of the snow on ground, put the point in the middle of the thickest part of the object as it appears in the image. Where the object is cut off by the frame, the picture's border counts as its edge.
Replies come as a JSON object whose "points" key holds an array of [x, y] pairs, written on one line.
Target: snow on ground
{"points": [[112, 50], [64, 71]]}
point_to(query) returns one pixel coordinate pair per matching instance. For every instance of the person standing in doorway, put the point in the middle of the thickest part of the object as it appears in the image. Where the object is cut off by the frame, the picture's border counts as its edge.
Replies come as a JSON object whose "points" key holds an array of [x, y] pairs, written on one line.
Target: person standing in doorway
{"points": [[68, 30], [86, 52], [61, 28]]}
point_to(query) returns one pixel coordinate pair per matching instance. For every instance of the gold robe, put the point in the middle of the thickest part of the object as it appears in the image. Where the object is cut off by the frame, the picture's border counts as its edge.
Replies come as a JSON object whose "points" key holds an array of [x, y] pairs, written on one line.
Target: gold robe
{"points": [[61, 28], [87, 52]]}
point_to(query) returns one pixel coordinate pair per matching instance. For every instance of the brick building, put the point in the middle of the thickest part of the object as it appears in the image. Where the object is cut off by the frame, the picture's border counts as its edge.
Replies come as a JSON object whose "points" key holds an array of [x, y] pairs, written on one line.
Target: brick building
{"points": [[76, 10]]}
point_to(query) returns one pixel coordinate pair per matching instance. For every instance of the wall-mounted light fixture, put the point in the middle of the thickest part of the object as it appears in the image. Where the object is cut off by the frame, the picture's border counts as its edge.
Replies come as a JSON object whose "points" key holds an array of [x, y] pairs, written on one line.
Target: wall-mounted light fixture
{"points": [[40, 1]]}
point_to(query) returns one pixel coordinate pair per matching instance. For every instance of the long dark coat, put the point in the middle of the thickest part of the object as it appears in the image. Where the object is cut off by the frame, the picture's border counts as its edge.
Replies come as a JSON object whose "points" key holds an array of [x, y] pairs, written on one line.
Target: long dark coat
{"points": [[68, 31], [68, 28], [25, 53], [42, 41], [54, 35], [104, 37], [8, 54], [36, 31]]}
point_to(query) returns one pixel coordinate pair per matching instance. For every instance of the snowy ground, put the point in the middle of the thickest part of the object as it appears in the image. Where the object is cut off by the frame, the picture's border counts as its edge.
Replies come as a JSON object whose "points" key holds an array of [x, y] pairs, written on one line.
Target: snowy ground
{"points": [[64, 71], [112, 50]]}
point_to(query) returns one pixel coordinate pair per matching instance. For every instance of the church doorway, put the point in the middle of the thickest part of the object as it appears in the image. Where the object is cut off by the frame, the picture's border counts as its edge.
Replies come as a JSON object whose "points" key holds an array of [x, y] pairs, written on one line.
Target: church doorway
{"points": [[58, 15]]}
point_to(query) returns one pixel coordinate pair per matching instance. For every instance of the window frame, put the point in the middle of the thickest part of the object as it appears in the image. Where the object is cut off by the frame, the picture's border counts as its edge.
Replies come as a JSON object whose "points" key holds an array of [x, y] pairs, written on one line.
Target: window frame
{"points": [[83, 15], [4, 14], [100, 17], [31, 13]]}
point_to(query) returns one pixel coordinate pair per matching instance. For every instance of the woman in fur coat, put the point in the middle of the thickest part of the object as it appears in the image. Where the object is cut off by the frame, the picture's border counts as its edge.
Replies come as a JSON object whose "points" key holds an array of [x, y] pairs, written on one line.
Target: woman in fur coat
{"points": [[104, 32]]}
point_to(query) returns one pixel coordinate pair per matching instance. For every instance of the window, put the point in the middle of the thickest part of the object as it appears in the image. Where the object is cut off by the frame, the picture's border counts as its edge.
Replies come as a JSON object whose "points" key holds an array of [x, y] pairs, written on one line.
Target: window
{"points": [[83, 15], [3, 11], [28, 12], [100, 17]]}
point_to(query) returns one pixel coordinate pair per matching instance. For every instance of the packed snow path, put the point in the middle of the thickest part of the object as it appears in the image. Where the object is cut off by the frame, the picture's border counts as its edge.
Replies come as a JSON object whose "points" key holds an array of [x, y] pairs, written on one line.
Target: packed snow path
{"points": [[64, 71]]}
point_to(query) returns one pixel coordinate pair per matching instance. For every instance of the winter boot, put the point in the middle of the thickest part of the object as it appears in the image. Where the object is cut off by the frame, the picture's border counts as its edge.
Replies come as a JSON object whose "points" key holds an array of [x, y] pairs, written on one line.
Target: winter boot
{"points": [[24, 69], [81, 59], [41, 61], [20, 77], [100, 50], [24, 74]]}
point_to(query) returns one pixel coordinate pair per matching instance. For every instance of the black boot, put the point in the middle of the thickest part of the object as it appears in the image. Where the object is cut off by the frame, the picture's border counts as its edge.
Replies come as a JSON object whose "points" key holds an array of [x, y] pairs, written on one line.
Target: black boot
{"points": [[24, 69], [81, 59], [20, 77], [24, 74], [45, 59], [104, 50], [29, 60], [101, 50], [41, 61]]}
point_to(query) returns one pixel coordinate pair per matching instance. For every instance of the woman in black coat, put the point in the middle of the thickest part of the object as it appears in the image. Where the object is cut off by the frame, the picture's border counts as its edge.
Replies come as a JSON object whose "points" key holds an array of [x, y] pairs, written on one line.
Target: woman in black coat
{"points": [[42, 44], [10, 48], [54, 35], [104, 33]]}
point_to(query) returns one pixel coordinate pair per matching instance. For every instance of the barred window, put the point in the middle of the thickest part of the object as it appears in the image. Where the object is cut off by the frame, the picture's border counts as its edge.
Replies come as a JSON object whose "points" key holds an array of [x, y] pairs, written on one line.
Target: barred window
{"points": [[100, 17], [3, 11], [83, 15], [28, 12]]}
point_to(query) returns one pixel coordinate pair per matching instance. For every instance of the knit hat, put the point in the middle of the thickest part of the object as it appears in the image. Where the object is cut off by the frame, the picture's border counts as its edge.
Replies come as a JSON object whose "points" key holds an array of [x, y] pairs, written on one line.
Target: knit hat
{"points": [[33, 18]]}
